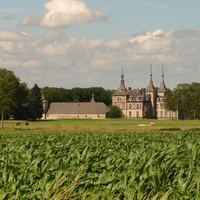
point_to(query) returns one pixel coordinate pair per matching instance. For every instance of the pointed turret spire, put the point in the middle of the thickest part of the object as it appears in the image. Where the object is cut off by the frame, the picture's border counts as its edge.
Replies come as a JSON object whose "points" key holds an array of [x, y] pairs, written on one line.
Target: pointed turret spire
{"points": [[122, 89], [92, 98], [162, 88], [150, 87], [45, 104]]}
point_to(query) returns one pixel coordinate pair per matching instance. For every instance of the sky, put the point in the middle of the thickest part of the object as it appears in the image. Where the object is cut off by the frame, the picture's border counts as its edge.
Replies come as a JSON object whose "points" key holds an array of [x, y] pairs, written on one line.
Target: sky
{"points": [[88, 43]]}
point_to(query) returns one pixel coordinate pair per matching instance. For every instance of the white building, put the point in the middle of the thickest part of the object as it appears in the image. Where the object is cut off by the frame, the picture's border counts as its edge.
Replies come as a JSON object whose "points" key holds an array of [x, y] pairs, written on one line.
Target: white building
{"points": [[75, 110]]}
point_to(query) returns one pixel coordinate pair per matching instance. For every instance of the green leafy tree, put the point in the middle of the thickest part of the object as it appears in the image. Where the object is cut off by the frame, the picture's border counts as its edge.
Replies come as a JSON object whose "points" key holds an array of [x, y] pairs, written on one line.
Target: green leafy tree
{"points": [[186, 99], [35, 107], [78, 95], [115, 112], [20, 112], [9, 85], [170, 101], [101, 95], [53, 94]]}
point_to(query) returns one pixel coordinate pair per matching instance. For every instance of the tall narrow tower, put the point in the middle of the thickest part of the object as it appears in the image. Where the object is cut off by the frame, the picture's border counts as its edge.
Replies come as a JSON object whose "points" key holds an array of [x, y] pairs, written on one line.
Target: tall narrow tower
{"points": [[162, 113], [150, 92], [45, 104], [119, 98], [162, 89]]}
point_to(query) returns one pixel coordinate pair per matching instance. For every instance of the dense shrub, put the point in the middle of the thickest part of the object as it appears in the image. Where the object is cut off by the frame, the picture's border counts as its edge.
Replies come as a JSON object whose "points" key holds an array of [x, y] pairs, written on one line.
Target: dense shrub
{"points": [[115, 112]]}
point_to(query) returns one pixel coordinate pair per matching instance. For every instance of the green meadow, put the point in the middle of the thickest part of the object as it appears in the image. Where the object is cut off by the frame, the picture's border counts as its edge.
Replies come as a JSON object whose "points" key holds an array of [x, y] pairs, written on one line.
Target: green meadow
{"points": [[100, 159], [108, 125]]}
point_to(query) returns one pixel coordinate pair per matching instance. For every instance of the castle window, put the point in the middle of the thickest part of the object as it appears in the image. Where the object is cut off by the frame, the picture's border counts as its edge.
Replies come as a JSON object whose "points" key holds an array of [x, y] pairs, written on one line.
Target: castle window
{"points": [[137, 114], [118, 98], [137, 106], [130, 98], [165, 113], [130, 114], [161, 113], [129, 106]]}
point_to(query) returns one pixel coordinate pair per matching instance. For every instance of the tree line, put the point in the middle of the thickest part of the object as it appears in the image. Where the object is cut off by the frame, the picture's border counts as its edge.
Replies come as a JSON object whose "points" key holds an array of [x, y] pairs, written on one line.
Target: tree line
{"points": [[186, 99], [22, 103], [17, 100], [53, 94]]}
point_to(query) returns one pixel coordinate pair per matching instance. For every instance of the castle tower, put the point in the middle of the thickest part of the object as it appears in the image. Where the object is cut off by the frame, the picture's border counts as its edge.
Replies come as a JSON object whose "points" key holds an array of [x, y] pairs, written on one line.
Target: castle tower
{"points": [[45, 104], [151, 94], [92, 100], [162, 113], [119, 98], [162, 89]]}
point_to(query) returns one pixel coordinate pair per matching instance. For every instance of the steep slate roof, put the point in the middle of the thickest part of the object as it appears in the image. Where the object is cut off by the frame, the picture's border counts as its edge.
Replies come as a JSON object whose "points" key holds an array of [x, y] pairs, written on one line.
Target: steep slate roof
{"points": [[150, 87], [77, 108], [121, 91], [135, 95], [162, 88]]}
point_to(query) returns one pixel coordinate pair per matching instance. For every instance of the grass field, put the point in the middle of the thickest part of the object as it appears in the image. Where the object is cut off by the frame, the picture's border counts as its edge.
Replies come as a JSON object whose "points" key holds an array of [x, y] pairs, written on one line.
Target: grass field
{"points": [[108, 125]]}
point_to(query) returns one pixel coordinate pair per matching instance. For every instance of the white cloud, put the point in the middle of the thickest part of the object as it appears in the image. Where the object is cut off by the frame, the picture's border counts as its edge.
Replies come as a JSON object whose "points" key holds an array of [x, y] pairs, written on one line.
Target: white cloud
{"points": [[69, 62], [29, 20], [62, 13], [157, 42], [13, 36]]}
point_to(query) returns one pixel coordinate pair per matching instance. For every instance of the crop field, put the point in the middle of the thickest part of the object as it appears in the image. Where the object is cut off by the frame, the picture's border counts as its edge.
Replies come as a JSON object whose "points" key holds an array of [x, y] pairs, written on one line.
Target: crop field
{"points": [[95, 165]]}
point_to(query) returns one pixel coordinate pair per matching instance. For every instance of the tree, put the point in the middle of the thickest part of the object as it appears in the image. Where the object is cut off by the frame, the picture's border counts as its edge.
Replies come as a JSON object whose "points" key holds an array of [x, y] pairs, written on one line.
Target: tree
{"points": [[170, 101], [9, 85], [115, 112], [78, 94], [186, 99], [35, 107], [22, 102]]}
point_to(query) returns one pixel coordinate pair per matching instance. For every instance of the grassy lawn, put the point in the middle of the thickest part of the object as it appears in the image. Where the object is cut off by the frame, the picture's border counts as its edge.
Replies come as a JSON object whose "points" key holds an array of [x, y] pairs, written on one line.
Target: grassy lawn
{"points": [[109, 125]]}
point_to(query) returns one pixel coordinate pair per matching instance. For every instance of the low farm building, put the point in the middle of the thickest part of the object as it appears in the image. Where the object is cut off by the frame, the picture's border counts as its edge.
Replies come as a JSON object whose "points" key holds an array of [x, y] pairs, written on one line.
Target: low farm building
{"points": [[75, 110]]}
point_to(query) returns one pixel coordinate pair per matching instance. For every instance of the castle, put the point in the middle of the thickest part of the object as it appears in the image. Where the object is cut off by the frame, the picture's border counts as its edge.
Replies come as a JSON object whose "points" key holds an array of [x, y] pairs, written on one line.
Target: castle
{"points": [[143, 103]]}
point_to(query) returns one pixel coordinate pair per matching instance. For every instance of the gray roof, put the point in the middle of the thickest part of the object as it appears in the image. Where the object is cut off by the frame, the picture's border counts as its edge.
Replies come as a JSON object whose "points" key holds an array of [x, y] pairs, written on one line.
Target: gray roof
{"points": [[150, 87], [136, 95], [77, 108], [121, 91], [162, 88]]}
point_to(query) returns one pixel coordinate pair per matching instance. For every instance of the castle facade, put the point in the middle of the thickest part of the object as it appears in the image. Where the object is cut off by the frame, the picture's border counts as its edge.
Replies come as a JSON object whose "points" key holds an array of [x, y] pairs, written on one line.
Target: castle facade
{"points": [[143, 103]]}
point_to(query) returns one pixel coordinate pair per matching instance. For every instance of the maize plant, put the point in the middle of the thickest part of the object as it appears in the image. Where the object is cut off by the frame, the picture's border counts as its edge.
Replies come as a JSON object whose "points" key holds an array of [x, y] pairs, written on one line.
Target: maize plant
{"points": [[99, 165]]}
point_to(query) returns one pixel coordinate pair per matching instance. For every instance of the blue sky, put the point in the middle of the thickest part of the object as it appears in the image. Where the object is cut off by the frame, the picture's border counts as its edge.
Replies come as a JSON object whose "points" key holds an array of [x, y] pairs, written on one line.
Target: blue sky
{"points": [[75, 43]]}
